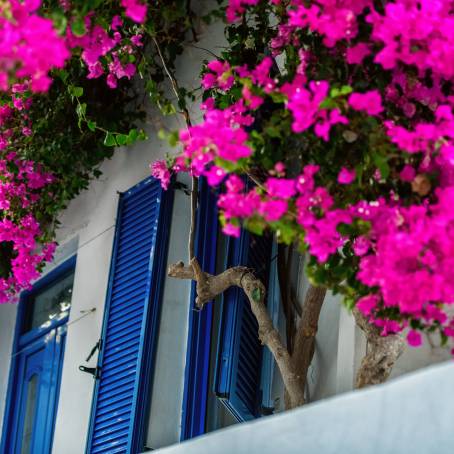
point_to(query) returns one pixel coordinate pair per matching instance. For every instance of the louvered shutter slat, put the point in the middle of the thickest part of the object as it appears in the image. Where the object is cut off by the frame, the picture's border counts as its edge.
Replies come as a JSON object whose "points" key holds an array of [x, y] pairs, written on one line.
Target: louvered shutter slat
{"points": [[237, 380], [130, 321]]}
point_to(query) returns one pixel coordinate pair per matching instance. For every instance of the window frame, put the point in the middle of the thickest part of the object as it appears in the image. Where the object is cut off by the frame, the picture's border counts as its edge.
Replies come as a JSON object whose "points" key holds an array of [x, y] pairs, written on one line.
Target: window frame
{"points": [[22, 340], [200, 335], [197, 370]]}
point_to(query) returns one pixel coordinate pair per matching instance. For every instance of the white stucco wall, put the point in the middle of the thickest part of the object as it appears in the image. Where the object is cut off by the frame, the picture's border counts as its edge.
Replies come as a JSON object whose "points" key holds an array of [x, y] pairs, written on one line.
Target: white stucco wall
{"points": [[412, 414], [7, 324], [88, 224], [88, 227], [92, 218]]}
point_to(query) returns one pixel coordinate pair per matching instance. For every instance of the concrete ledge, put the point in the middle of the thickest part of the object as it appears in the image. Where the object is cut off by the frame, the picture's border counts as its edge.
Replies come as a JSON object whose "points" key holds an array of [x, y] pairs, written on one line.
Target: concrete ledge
{"points": [[412, 414]]}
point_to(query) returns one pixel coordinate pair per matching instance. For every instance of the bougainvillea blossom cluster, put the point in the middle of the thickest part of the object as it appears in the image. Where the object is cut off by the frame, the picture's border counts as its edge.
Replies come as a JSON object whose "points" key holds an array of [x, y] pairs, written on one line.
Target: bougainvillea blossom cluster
{"points": [[393, 227], [337, 137], [29, 45], [22, 185], [106, 51]]}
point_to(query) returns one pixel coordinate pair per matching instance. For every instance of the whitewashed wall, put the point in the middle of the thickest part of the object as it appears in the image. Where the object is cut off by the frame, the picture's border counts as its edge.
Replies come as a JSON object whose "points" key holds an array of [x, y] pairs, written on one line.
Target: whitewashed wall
{"points": [[88, 229], [412, 414]]}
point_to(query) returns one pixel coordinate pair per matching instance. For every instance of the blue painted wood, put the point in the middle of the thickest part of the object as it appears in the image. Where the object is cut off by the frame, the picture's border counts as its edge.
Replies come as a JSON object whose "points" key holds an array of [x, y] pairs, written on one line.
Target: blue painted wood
{"points": [[36, 352], [197, 370], [237, 380], [130, 328], [268, 363]]}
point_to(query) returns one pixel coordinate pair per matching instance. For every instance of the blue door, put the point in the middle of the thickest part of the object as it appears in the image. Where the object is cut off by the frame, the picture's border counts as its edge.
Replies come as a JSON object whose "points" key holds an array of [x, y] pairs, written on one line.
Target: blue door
{"points": [[36, 364]]}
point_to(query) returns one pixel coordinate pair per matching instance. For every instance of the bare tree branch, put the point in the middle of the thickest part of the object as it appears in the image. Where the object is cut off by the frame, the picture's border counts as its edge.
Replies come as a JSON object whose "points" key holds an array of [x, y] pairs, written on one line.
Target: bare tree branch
{"points": [[209, 286], [187, 118], [383, 352]]}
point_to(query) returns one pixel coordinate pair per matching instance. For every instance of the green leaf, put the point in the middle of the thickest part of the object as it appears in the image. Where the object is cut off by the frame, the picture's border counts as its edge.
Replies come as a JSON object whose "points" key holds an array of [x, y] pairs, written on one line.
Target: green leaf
{"points": [[81, 109], [109, 140], [255, 225], [343, 91], [346, 89], [122, 139], [382, 165], [91, 125], [142, 135], [328, 103], [133, 136], [78, 27], [173, 138], [272, 131], [278, 98], [62, 74], [167, 109], [349, 303], [78, 91], [60, 22], [285, 232], [162, 134]]}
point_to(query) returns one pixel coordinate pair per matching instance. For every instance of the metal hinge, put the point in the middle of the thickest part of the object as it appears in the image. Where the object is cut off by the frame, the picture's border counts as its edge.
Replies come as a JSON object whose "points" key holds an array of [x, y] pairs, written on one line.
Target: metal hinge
{"points": [[97, 346], [95, 371]]}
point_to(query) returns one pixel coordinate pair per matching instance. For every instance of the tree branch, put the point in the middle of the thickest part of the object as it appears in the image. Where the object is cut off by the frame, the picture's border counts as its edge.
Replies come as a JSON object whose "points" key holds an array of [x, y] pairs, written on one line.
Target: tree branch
{"points": [[187, 119], [209, 286], [383, 352]]}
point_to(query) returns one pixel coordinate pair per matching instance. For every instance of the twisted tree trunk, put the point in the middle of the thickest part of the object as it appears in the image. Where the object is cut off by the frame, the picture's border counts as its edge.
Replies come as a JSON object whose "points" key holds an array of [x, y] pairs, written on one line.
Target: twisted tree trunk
{"points": [[209, 286], [383, 352], [304, 344]]}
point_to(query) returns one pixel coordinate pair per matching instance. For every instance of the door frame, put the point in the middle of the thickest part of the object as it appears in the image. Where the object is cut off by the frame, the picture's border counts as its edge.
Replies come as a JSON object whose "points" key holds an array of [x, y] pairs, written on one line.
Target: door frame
{"points": [[25, 341]]}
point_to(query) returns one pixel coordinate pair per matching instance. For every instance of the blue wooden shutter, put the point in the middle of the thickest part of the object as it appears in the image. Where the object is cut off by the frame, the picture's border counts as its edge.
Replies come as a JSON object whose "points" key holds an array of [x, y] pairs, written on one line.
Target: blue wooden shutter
{"points": [[237, 380], [130, 326]]}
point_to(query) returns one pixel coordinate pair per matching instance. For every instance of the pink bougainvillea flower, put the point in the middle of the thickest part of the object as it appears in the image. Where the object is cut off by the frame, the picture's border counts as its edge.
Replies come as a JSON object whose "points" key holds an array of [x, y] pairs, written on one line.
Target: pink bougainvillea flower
{"points": [[369, 102], [408, 173], [367, 304], [346, 176], [160, 171], [273, 210], [414, 338], [361, 246], [234, 183], [215, 175], [280, 187], [135, 10], [220, 76], [231, 230], [29, 46], [236, 8], [357, 53]]}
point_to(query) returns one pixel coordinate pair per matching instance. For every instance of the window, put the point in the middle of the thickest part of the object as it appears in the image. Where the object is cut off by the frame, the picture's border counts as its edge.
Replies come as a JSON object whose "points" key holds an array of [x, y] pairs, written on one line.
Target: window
{"points": [[131, 317], [223, 382], [36, 363]]}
